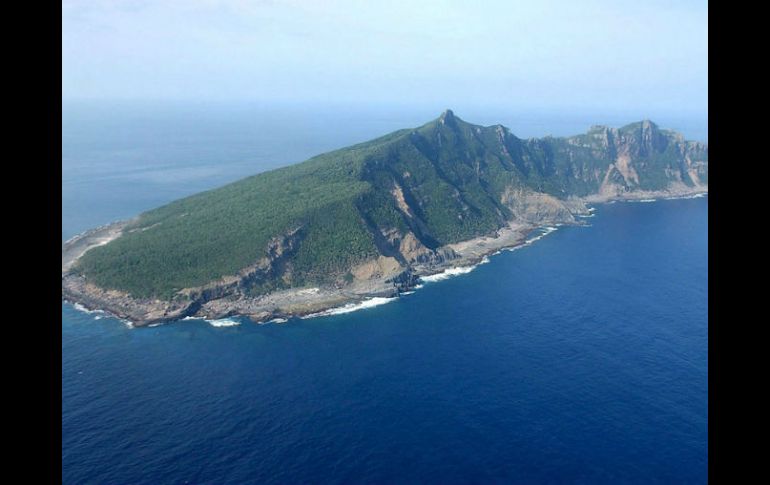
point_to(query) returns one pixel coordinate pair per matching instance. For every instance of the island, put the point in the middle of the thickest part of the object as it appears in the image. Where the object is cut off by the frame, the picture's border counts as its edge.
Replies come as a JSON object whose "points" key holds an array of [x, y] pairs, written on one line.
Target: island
{"points": [[367, 221]]}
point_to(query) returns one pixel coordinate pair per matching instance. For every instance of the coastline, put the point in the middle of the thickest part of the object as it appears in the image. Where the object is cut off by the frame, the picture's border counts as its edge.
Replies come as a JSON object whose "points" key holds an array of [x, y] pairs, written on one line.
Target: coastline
{"points": [[281, 306]]}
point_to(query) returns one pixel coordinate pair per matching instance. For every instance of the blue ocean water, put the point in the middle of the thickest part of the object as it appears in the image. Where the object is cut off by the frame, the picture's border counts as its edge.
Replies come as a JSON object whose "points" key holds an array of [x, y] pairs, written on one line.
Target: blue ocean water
{"points": [[581, 358]]}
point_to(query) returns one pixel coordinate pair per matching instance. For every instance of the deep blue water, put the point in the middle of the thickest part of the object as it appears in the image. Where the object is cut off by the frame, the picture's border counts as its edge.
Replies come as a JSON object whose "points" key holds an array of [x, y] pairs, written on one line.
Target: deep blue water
{"points": [[579, 359]]}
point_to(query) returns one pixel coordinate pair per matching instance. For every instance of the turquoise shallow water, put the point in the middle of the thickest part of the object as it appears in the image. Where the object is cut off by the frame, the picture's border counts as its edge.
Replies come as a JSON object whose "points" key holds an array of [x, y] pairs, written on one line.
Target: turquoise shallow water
{"points": [[579, 359]]}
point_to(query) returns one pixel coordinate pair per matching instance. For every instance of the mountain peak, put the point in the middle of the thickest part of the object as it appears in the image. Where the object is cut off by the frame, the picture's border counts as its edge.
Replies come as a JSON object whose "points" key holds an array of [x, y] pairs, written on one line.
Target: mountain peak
{"points": [[447, 116], [644, 126]]}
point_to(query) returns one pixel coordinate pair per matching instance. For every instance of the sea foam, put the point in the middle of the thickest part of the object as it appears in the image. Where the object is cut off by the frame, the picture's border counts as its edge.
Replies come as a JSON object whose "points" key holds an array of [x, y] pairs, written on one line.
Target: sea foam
{"points": [[223, 322], [352, 307], [545, 231], [447, 274], [81, 308], [98, 314]]}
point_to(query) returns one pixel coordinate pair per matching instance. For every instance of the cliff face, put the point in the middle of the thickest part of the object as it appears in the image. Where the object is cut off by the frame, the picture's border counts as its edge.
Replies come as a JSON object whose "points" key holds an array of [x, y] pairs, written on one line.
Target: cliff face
{"points": [[639, 156], [374, 210], [450, 180]]}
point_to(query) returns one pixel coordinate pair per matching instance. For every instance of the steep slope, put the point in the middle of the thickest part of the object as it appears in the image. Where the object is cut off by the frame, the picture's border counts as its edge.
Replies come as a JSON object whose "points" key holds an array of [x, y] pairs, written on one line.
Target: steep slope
{"points": [[373, 210]]}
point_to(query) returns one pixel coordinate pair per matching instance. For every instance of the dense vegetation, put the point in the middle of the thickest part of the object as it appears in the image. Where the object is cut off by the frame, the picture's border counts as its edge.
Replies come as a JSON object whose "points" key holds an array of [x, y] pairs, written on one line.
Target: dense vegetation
{"points": [[450, 173]]}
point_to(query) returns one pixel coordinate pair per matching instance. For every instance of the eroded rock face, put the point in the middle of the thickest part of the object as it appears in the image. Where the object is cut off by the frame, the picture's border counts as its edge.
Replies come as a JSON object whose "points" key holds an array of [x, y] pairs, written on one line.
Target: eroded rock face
{"points": [[411, 247], [381, 267], [144, 311], [534, 207], [398, 195], [123, 305], [438, 256]]}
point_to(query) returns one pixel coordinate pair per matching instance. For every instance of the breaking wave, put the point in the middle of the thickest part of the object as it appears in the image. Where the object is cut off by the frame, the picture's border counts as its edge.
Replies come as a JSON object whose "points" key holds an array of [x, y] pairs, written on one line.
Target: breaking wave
{"points": [[223, 322], [695, 196], [544, 232], [352, 307], [447, 274], [81, 308]]}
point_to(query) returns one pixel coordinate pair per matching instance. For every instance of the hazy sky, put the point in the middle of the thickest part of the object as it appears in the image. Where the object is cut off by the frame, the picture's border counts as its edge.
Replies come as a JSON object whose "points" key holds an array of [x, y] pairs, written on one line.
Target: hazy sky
{"points": [[649, 55]]}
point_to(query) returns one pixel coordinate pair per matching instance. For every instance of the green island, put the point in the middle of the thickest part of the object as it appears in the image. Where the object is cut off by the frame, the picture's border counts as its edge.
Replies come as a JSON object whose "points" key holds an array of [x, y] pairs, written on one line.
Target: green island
{"points": [[374, 211]]}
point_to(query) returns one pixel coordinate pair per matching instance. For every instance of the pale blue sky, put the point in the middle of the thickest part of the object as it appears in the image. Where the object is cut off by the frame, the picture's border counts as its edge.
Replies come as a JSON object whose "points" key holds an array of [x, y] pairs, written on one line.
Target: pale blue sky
{"points": [[646, 56]]}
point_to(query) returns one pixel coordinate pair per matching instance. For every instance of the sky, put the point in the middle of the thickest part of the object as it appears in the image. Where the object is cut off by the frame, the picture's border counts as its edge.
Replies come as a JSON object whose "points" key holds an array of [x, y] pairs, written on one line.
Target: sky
{"points": [[614, 56]]}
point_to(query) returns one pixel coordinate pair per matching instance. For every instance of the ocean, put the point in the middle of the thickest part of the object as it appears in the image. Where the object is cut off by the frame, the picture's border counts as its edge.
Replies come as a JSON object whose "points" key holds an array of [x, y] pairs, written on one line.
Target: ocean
{"points": [[580, 358]]}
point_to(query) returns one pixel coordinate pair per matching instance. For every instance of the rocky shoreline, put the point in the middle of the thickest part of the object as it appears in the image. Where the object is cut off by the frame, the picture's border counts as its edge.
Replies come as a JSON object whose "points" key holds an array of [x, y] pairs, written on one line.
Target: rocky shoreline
{"points": [[219, 300]]}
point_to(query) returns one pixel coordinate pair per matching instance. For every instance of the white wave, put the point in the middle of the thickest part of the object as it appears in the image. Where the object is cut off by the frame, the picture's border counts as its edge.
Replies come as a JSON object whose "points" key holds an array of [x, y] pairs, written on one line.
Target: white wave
{"points": [[447, 274], [352, 307], [98, 314], [694, 196], [645, 200], [546, 231], [467, 269], [277, 320], [586, 216], [223, 322], [591, 209], [76, 236], [81, 308], [407, 293]]}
